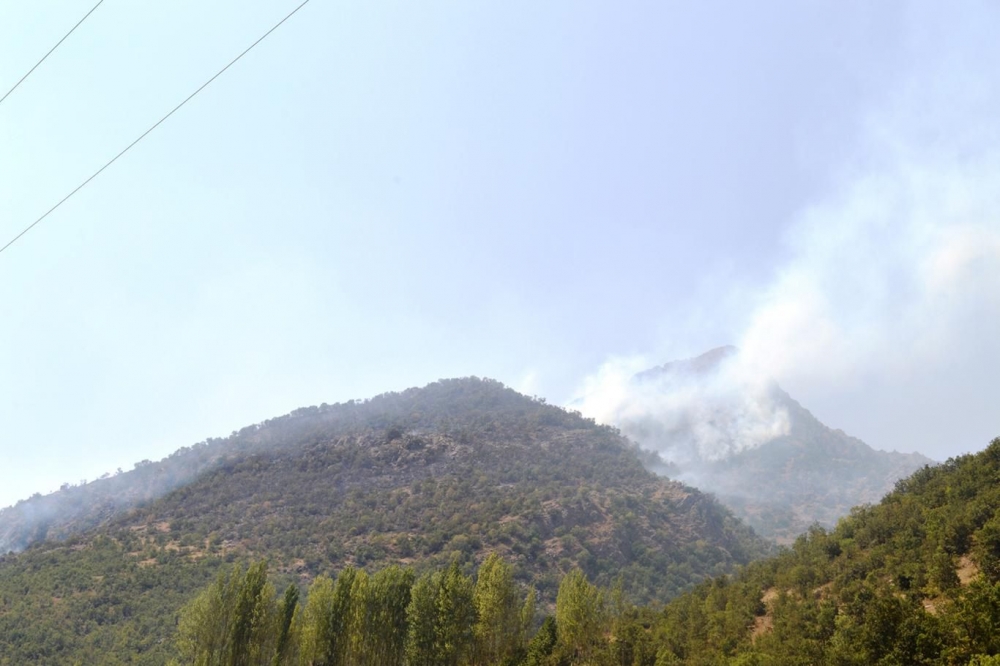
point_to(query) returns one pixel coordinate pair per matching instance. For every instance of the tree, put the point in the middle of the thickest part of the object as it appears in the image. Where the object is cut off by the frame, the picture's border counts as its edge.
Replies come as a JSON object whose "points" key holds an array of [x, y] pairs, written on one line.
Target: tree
{"points": [[441, 617], [203, 628], [456, 617], [542, 645], [498, 625], [528, 615], [579, 617], [422, 618], [326, 631], [987, 549], [232, 623], [285, 650], [313, 637], [389, 591], [253, 619], [360, 623]]}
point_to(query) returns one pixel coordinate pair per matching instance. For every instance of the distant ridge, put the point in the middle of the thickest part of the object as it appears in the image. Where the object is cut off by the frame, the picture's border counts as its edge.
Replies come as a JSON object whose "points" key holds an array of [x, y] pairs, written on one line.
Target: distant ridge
{"points": [[701, 364], [811, 474]]}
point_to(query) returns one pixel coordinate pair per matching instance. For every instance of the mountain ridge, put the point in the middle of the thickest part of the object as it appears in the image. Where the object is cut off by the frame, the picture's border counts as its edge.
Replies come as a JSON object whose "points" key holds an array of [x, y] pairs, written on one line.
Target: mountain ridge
{"points": [[799, 473]]}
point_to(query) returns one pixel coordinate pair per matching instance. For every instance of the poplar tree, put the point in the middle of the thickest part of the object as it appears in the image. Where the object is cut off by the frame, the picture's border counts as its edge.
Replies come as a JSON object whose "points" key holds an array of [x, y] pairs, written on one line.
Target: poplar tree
{"points": [[232, 623], [441, 617], [421, 639], [579, 617], [361, 628], [527, 616], [203, 637], [313, 638], [339, 619], [252, 621], [327, 623], [456, 617], [498, 625], [285, 650], [542, 645], [389, 591]]}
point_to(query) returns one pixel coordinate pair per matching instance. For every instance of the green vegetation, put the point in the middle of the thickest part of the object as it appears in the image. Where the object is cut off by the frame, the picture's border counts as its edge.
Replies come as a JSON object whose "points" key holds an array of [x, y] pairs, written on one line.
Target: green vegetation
{"points": [[449, 473], [443, 618], [912, 580], [417, 527]]}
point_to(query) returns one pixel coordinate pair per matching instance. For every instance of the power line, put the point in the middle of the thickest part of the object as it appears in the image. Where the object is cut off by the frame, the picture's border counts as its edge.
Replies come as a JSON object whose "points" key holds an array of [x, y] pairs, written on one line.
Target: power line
{"points": [[51, 50], [155, 125]]}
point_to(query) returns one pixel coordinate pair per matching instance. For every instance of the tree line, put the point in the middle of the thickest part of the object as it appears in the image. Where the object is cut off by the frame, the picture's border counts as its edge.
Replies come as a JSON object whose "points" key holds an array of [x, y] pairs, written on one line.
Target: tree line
{"points": [[395, 618]]}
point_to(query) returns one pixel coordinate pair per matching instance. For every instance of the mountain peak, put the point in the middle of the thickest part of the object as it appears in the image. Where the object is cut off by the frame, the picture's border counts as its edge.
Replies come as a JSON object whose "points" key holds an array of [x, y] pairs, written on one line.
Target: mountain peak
{"points": [[702, 364], [740, 436]]}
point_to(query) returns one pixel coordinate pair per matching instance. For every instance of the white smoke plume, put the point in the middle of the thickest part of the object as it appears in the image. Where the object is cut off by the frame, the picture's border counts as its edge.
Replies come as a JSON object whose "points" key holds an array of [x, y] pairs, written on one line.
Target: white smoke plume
{"points": [[685, 412], [887, 308]]}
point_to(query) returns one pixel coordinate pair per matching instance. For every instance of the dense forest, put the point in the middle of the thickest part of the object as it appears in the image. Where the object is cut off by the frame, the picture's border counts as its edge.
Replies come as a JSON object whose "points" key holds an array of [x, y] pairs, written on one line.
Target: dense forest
{"points": [[452, 472]]}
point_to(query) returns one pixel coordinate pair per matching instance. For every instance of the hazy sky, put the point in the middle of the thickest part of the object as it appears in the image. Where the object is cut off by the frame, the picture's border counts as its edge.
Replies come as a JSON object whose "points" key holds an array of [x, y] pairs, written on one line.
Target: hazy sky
{"points": [[384, 194]]}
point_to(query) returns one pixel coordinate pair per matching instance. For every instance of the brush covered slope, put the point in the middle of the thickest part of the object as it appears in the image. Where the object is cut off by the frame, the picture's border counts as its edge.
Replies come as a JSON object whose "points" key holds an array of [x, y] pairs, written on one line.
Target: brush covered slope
{"points": [[795, 473], [912, 580], [452, 471], [76, 508]]}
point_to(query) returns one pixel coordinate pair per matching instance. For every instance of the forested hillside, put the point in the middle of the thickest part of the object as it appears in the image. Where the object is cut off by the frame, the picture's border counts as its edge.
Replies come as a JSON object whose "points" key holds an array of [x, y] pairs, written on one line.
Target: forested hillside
{"points": [[423, 478], [912, 580]]}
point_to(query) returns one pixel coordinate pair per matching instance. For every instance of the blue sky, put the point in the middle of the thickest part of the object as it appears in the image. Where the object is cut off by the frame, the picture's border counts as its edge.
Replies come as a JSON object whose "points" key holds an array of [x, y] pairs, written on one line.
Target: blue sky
{"points": [[384, 194]]}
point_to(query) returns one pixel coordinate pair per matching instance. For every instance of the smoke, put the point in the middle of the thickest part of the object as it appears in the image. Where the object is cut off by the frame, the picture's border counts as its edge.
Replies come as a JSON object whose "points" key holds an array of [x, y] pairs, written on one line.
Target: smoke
{"points": [[896, 270], [886, 311], [703, 409]]}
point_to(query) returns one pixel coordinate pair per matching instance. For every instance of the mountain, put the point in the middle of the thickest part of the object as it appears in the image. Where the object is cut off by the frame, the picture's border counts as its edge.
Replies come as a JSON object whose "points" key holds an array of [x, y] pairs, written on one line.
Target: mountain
{"points": [[914, 579], [449, 472], [764, 455], [76, 508]]}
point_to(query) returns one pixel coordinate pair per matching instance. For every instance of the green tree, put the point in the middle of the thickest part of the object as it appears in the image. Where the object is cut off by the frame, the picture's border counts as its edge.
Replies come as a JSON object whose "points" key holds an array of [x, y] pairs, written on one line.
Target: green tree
{"points": [[232, 623], [361, 627], [543, 643], [389, 594], [528, 615], [498, 625], [253, 620], [326, 631], [941, 570], [579, 617], [285, 649], [985, 660], [421, 640], [976, 618], [203, 637], [456, 617], [987, 549], [313, 637]]}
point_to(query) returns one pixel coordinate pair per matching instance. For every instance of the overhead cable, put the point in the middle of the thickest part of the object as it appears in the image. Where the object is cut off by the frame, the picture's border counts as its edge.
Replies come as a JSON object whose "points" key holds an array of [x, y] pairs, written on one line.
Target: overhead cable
{"points": [[51, 50], [155, 125]]}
